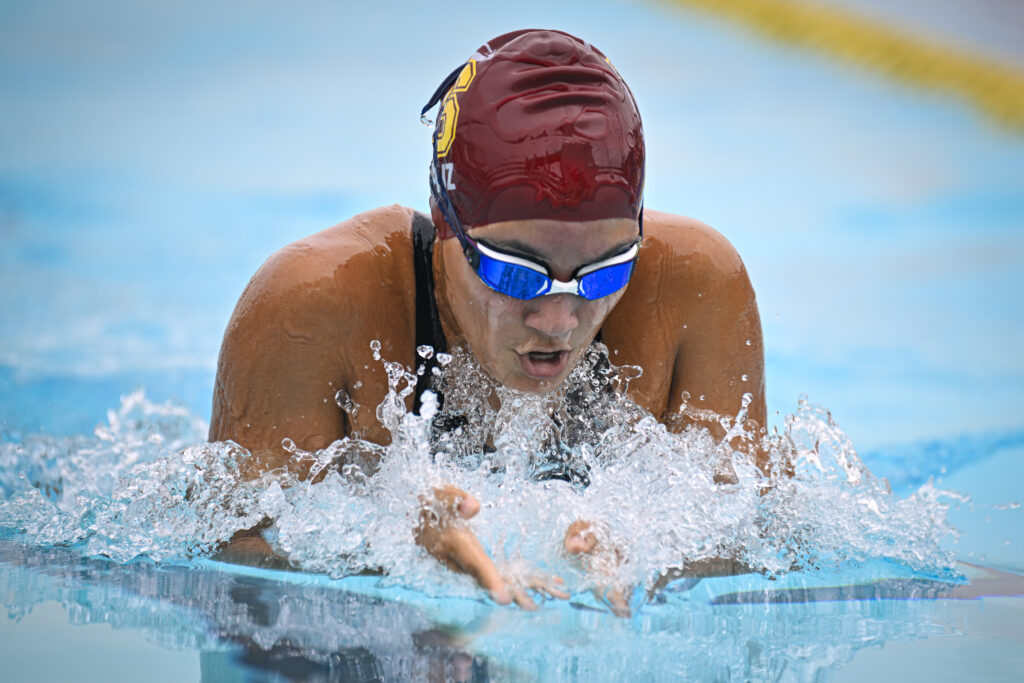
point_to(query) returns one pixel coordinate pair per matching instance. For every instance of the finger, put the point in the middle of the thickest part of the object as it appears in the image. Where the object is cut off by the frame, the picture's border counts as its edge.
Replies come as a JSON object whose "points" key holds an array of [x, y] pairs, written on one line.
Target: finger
{"points": [[615, 599], [556, 593], [584, 543], [579, 538], [546, 585], [454, 498], [465, 551], [523, 599], [469, 507]]}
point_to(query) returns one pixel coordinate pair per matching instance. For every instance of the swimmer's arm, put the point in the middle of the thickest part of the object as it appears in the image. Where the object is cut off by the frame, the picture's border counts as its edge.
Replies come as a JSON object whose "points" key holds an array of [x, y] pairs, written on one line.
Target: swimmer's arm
{"points": [[720, 348], [276, 378], [720, 351], [279, 369]]}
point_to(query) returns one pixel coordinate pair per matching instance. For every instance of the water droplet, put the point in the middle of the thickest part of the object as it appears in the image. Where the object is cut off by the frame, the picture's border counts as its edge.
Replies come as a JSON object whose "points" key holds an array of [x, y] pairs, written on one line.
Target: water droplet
{"points": [[743, 378], [747, 398], [345, 402], [425, 351], [702, 397], [443, 359], [288, 445], [358, 385], [634, 463], [748, 342], [375, 347]]}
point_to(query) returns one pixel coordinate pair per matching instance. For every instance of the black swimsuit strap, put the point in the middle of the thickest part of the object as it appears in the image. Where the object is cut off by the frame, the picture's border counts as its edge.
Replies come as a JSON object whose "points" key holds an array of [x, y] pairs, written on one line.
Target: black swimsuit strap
{"points": [[428, 321]]}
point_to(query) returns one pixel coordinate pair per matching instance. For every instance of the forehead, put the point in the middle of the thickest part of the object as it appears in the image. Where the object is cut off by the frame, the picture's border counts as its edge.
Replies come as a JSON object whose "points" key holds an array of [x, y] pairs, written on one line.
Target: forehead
{"points": [[560, 240]]}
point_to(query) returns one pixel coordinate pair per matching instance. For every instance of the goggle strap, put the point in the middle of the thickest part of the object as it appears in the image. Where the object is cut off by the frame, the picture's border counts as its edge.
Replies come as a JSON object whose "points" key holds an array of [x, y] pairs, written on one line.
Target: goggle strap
{"points": [[445, 86]]}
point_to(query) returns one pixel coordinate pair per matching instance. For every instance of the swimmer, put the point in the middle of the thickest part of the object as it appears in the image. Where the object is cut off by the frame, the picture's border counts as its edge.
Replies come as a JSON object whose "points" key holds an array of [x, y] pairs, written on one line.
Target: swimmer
{"points": [[537, 243]]}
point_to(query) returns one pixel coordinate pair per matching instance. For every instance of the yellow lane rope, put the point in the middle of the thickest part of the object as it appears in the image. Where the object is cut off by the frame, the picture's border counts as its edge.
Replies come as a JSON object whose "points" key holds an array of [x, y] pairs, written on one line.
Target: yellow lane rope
{"points": [[995, 88]]}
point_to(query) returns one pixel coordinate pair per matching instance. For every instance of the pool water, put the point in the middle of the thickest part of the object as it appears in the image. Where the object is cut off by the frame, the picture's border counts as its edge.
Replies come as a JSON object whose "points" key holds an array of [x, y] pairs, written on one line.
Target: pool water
{"points": [[152, 157]]}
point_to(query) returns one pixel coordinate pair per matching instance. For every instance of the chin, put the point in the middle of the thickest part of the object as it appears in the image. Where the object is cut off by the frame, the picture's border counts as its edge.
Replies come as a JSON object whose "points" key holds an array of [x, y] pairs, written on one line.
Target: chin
{"points": [[530, 385]]}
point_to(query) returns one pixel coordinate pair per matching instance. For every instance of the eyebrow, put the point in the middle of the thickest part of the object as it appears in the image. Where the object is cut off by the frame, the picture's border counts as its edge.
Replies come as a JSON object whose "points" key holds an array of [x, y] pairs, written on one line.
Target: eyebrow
{"points": [[518, 248]]}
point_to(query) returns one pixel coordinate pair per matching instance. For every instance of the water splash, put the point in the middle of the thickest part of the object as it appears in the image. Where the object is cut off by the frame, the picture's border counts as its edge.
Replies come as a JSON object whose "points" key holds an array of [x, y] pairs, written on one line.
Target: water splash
{"points": [[145, 484]]}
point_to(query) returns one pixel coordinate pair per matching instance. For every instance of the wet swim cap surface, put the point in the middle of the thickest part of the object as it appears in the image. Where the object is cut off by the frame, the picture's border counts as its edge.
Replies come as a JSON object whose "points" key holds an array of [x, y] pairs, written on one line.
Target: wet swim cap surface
{"points": [[538, 124]]}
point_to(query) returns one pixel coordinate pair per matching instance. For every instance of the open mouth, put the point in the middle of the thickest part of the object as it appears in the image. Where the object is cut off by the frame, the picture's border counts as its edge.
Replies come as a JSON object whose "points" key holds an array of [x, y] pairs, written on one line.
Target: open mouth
{"points": [[543, 364]]}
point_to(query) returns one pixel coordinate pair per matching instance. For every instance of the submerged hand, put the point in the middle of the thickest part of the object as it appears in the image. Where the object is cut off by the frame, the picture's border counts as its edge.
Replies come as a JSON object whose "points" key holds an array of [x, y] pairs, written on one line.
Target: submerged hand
{"points": [[581, 542], [442, 532]]}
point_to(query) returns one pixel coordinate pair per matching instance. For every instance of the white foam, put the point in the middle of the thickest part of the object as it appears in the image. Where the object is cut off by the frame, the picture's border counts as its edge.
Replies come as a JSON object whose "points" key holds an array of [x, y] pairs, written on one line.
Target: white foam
{"points": [[146, 484]]}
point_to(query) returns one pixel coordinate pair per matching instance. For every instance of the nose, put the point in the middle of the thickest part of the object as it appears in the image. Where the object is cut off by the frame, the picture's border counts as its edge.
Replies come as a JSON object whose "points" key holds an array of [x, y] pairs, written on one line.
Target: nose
{"points": [[553, 315]]}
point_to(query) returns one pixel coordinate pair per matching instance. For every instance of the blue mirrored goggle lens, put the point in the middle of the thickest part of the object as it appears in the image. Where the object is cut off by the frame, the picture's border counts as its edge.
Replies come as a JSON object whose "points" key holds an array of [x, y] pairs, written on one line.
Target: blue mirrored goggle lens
{"points": [[520, 282], [605, 281], [511, 279]]}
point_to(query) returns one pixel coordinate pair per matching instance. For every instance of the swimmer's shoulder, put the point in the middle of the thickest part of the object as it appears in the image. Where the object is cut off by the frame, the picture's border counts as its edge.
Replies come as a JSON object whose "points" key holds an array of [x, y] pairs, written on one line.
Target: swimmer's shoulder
{"points": [[353, 280], [685, 250], [686, 271], [685, 310], [369, 243]]}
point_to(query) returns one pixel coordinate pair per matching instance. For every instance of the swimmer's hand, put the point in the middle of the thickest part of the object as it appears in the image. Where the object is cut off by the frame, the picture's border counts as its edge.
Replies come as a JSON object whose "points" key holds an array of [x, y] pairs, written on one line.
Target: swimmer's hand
{"points": [[581, 542], [442, 531]]}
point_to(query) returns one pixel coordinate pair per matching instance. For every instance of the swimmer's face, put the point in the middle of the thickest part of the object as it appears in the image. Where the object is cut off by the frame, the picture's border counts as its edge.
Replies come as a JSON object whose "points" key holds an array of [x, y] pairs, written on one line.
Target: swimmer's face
{"points": [[532, 345]]}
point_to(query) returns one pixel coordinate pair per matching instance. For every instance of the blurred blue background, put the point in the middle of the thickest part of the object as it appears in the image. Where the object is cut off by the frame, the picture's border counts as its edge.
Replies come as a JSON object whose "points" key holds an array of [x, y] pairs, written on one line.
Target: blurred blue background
{"points": [[152, 155]]}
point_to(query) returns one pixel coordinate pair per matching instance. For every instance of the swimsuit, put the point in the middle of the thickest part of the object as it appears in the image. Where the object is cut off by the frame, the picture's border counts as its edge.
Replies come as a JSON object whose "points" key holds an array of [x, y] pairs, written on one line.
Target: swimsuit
{"points": [[428, 321]]}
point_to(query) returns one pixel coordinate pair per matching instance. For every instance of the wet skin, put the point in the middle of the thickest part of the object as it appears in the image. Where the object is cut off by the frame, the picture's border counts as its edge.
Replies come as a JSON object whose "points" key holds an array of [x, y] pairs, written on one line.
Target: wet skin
{"points": [[529, 345], [302, 330]]}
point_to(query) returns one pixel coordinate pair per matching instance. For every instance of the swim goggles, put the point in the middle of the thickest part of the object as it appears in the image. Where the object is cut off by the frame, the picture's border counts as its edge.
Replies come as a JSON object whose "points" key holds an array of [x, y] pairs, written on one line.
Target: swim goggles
{"points": [[521, 278]]}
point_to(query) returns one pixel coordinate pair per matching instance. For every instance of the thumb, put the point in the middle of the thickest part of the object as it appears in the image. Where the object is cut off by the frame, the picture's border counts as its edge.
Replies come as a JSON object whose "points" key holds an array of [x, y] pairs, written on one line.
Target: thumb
{"points": [[579, 538], [453, 498]]}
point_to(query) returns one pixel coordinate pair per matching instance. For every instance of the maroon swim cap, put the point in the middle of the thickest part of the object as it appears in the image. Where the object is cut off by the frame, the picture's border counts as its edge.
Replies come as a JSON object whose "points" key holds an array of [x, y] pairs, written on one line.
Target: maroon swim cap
{"points": [[537, 124]]}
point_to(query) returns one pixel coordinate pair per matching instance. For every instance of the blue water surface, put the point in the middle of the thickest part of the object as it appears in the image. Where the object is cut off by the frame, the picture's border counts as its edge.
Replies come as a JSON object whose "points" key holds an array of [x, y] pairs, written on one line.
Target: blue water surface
{"points": [[152, 155]]}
